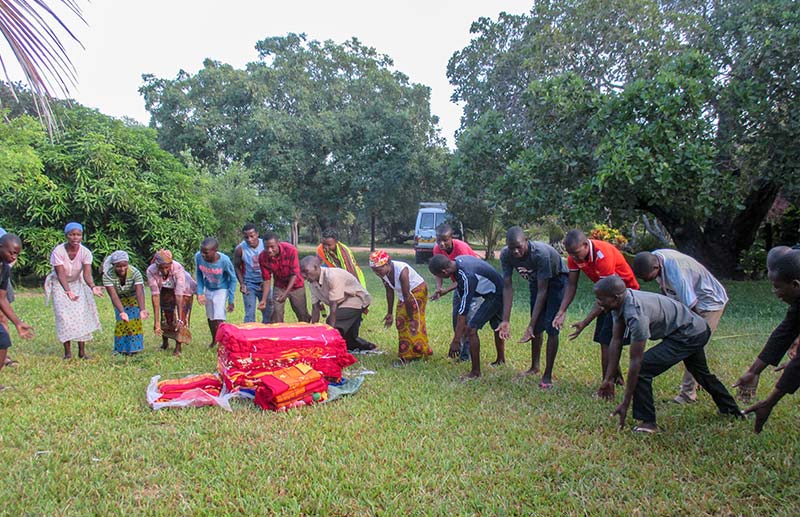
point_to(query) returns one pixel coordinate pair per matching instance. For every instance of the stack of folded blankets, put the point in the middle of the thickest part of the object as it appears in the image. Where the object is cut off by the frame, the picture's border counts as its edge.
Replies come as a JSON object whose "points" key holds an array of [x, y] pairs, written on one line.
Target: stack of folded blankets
{"points": [[179, 388], [301, 356], [293, 386]]}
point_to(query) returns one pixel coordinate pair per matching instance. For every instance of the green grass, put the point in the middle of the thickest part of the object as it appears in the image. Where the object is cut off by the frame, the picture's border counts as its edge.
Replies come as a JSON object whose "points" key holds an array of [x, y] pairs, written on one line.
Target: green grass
{"points": [[77, 437]]}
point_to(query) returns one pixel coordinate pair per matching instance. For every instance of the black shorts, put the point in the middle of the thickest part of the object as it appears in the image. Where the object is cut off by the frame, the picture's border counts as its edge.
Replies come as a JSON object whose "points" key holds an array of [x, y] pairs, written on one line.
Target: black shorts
{"points": [[5, 339], [555, 295], [604, 330], [490, 311]]}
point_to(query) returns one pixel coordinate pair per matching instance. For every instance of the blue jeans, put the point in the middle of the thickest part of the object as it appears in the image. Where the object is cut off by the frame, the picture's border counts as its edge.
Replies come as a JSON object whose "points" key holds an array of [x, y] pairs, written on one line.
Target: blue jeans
{"points": [[251, 301]]}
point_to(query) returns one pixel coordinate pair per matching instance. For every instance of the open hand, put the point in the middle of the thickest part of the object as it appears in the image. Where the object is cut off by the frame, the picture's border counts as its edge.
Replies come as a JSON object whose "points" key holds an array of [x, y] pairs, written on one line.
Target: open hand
{"points": [[558, 321], [97, 291], [124, 317], [762, 409], [413, 326], [201, 299], [24, 330], [436, 295], [622, 412], [230, 307], [527, 335], [144, 314], [504, 330], [243, 289], [606, 390], [453, 352], [388, 320], [578, 329], [157, 329]]}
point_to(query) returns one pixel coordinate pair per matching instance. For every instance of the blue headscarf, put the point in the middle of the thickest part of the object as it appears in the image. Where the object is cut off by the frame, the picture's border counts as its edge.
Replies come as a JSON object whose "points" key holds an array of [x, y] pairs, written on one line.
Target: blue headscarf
{"points": [[73, 226]]}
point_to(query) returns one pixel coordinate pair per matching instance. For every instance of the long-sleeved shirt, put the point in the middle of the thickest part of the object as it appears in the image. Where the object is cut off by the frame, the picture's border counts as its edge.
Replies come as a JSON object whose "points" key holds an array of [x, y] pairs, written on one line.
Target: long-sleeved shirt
{"points": [[215, 275], [782, 337]]}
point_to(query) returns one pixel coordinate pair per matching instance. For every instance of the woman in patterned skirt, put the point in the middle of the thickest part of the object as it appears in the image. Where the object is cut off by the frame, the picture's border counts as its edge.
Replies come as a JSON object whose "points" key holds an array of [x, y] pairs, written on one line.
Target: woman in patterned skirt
{"points": [[171, 291], [125, 287], [70, 286], [398, 277]]}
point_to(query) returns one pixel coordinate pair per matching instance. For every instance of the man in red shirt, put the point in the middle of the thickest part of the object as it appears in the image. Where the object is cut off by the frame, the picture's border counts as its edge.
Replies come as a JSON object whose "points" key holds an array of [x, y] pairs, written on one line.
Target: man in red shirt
{"points": [[279, 260], [451, 248], [598, 259]]}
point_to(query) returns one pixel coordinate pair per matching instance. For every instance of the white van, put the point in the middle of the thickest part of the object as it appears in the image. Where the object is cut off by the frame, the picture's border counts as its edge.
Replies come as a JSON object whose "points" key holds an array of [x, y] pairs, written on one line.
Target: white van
{"points": [[429, 216]]}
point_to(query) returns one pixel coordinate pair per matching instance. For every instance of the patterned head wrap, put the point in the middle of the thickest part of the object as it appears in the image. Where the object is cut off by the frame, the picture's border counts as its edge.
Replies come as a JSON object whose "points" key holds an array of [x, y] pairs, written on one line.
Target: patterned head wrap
{"points": [[378, 258], [72, 226], [162, 257], [115, 258]]}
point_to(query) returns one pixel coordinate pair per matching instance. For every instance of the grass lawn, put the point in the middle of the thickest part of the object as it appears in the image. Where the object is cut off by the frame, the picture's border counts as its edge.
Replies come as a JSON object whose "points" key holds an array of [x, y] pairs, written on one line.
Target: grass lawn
{"points": [[78, 438]]}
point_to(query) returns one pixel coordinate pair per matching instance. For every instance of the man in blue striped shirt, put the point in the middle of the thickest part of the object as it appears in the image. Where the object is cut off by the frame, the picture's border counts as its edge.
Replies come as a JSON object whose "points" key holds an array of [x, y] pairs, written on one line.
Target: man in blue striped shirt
{"points": [[475, 279]]}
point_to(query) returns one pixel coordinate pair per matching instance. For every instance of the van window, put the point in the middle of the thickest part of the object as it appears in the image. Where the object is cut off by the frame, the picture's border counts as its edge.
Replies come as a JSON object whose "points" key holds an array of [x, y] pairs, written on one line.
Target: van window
{"points": [[440, 219], [426, 222]]}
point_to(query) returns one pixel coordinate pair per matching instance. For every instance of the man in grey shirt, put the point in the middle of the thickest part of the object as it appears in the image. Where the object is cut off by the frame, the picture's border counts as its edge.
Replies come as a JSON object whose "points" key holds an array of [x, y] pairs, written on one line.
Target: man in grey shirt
{"points": [[684, 279], [683, 336]]}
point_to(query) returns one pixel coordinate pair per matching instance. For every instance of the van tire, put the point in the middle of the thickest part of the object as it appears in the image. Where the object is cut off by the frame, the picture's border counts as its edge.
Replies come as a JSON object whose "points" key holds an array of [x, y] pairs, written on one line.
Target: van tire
{"points": [[419, 257]]}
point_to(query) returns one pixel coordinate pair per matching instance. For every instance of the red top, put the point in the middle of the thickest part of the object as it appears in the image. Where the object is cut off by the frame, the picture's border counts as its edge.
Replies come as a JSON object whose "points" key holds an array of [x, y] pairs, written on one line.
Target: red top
{"points": [[459, 248], [281, 267], [604, 260]]}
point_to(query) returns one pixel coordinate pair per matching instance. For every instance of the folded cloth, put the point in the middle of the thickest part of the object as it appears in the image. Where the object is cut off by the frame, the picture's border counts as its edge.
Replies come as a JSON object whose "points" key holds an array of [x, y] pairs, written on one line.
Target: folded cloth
{"points": [[298, 384], [202, 381]]}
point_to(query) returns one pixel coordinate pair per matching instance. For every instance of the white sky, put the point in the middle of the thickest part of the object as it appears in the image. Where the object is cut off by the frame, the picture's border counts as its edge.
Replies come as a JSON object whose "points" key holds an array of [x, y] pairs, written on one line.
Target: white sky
{"points": [[125, 39]]}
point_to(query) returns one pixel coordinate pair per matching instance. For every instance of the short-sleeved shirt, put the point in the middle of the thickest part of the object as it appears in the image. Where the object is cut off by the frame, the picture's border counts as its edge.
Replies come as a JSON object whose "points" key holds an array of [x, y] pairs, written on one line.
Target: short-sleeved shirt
{"points": [[541, 262], [459, 248], [684, 279], [604, 260], [655, 316], [476, 277], [132, 279], [282, 267], [178, 279], [341, 287], [251, 271], [5, 276], [73, 268]]}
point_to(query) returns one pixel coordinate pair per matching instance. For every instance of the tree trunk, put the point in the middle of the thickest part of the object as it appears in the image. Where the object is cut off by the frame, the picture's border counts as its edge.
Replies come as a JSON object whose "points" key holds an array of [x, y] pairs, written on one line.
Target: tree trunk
{"points": [[720, 241], [372, 232], [295, 237]]}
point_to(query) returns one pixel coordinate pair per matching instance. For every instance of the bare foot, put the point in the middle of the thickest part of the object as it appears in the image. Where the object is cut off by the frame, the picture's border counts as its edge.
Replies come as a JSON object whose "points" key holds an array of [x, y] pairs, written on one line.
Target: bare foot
{"points": [[469, 376], [526, 373], [212, 344], [498, 362], [85, 357], [67, 356], [164, 345], [619, 381], [176, 353]]}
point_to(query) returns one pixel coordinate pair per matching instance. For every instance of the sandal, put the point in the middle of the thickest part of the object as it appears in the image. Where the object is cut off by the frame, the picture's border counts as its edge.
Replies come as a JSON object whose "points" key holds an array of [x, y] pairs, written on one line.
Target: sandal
{"points": [[546, 385], [645, 430]]}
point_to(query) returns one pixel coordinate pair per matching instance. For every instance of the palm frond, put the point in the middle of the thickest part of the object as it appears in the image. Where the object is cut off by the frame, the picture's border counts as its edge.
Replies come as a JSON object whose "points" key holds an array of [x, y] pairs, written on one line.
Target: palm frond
{"points": [[28, 27]]}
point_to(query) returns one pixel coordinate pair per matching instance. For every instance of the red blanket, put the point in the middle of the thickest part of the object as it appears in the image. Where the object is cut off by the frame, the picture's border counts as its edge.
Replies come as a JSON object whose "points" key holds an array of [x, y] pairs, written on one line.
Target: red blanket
{"points": [[251, 350], [175, 388]]}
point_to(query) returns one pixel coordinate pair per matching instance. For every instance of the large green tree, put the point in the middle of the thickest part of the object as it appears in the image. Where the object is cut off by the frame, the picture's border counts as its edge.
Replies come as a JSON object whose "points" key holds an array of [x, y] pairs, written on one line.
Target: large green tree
{"points": [[682, 109], [128, 192], [330, 126]]}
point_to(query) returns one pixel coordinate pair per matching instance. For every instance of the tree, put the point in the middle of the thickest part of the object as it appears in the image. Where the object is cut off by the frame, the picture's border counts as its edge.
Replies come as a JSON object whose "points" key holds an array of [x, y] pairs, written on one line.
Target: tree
{"points": [[329, 126], [127, 192], [484, 151], [685, 110]]}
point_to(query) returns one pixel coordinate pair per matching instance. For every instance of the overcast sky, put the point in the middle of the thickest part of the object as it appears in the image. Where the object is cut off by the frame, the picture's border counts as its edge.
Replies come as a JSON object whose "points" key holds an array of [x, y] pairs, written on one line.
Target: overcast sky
{"points": [[125, 39]]}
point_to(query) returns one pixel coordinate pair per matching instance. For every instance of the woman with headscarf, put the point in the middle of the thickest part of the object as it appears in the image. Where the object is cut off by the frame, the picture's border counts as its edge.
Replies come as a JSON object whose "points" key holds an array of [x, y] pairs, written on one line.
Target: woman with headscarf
{"points": [[412, 293], [125, 287], [70, 286], [171, 290]]}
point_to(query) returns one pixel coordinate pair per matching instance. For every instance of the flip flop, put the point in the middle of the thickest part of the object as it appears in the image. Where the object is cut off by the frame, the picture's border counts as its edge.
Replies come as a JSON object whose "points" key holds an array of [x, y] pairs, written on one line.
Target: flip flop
{"points": [[645, 430], [11, 362], [546, 385]]}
